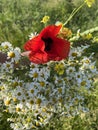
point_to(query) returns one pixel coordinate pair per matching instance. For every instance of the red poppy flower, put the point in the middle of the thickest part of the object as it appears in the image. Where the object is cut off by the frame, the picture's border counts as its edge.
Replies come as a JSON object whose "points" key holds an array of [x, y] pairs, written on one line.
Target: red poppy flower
{"points": [[47, 46]]}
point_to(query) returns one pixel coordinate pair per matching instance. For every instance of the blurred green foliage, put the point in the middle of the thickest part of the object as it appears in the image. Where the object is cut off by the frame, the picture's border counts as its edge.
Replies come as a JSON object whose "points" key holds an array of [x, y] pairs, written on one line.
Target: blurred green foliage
{"points": [[18, 18], [4, 125]]}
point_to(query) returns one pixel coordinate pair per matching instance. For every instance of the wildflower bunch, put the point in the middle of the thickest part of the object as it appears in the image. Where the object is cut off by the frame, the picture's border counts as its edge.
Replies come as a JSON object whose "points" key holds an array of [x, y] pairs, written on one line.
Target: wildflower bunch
{"points": [[55, 82], [33, 93]]}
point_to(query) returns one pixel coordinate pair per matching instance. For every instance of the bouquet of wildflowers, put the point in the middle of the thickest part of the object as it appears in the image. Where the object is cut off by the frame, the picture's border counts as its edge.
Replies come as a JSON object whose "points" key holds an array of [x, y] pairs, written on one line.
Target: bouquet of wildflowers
{"points": [[50, 78]]}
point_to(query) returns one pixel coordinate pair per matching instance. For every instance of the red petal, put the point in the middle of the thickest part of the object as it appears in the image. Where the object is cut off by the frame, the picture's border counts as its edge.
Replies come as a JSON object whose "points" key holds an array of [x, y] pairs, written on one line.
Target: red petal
{"points": [[38, 58], [51, 30], [34, 44], [61, 47]]}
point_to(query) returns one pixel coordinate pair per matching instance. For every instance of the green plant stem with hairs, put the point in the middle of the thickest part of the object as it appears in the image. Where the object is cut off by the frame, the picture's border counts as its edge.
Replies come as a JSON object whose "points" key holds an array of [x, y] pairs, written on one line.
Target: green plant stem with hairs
{"points": [[73, 13]]}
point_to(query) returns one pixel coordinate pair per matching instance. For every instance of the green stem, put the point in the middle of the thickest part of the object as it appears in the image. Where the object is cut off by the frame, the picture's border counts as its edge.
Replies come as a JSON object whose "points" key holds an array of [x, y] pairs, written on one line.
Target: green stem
{"points": [[84, 33], [73, 13]]}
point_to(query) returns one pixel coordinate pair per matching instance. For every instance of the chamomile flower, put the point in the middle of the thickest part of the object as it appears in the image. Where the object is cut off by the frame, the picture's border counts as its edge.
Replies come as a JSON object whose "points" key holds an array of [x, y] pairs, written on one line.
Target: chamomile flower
{"points": [[74, 54], [16, 82], [78, 76], [31, 89], [6, 45], [58, 81], [7, 101], [92, 67], [33, 65], [7, 67], [18, 93], [70, 70], [32, 35], [45, 73], [40, 100], [86, 61], [34, 73], [14, 55], [19, 107]]}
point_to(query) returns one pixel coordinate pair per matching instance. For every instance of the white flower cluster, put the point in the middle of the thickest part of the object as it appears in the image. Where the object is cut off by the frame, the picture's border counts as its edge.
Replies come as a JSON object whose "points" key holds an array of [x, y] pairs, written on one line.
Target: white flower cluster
{"points": [[34, 93]]}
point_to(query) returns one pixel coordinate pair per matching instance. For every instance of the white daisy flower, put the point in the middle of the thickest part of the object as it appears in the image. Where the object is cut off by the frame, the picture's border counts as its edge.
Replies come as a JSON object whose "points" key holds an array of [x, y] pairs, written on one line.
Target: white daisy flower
{"points": [[31, 89], [6, 45], [7, 67], [18, 93], [34, 74], [14, 55], [45, 73], [20, 108], [7, 101], [78, 76], [32, 35]]}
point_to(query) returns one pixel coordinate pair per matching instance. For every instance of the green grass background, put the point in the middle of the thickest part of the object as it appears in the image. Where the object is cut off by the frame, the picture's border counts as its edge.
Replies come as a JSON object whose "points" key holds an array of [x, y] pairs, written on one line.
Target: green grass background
{"points": [[18, 18]]}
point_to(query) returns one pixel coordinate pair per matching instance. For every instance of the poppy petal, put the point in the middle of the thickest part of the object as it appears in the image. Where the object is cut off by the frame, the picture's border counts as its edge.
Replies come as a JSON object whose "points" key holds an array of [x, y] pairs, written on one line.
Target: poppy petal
{"points": [[34, 44], [51, 30], [61, 47], [38, 57]]}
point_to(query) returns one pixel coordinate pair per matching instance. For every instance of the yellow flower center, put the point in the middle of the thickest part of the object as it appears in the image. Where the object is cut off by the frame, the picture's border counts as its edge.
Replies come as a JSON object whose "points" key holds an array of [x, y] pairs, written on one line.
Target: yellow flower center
{"points": [[92, 67], [42, 83], [70, 70], [74, 54], [11, 54], [44, 110], [1, 88], [6, 46], [20, 84], [35, 75], [32, 66], [28, 119], [23, 100], [15, 84], [32, 91], [87, 61], [8, 65], [38, 101], [37, 123], [60, 90], [78, 76], [83, 83], [7, 110], [19, 93], [54, 99], [31, 102], [60, 100], [15, 99], [18, 109], [7, 102]]}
